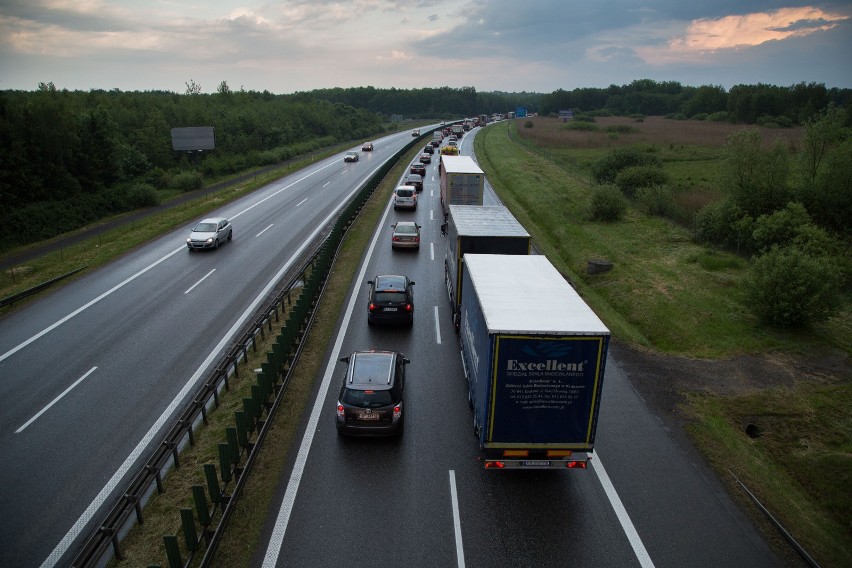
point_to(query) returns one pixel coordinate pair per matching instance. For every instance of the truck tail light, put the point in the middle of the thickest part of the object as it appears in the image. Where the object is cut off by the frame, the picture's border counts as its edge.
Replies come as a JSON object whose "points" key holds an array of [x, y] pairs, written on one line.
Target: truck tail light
{"points": [[494, 464], [576, 464]]}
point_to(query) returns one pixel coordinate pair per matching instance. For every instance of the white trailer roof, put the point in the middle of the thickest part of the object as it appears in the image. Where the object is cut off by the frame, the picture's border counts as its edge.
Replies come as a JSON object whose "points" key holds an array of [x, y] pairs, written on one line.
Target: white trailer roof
{"points": [[526, 294], [460, 165], [486, 221]]}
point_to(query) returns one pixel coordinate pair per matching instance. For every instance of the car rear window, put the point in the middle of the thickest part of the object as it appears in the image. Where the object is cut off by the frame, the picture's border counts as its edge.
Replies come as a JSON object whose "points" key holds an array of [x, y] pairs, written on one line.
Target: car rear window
{"points": [[392, 296], [411, 229], [367, 398], [404, 192]]}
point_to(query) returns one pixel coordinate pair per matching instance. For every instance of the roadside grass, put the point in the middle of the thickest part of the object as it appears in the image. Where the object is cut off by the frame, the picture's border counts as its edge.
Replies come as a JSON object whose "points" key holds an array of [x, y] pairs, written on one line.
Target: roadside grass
{"points": [[799, 466], [144, 545], [669, 294]]}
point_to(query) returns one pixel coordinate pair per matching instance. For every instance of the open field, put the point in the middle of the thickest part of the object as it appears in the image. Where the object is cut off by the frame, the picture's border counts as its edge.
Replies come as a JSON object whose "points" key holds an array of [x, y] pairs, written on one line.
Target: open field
{"points": [[690, 344]]}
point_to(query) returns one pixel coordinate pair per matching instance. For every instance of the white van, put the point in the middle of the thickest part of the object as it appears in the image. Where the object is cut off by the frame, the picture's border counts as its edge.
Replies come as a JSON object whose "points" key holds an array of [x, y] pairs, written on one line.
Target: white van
{"points": [[405, 197]]}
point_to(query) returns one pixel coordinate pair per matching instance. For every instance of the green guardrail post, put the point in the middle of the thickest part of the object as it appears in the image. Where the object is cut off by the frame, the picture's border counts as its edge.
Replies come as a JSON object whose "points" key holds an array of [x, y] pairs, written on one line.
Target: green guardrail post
{"points": [[248, 410], [257, 400], [190, 535], [225, 461], [212, 483], [173, 551], [201, 506], [242, 430]]}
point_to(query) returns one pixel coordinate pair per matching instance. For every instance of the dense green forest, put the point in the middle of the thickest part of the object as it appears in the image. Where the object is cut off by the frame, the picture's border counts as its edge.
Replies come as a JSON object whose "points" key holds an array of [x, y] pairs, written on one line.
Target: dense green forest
{"points": [[72, 157]]}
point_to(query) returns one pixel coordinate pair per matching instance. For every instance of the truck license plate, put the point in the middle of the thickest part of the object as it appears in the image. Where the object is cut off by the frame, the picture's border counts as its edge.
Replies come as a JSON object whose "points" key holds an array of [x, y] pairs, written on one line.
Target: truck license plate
{"points": [[536, 463]]}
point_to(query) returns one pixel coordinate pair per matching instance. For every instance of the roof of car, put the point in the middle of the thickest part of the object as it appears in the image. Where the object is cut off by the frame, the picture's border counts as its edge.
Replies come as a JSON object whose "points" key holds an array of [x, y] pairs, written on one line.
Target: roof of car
{"points": [[373, 369]]}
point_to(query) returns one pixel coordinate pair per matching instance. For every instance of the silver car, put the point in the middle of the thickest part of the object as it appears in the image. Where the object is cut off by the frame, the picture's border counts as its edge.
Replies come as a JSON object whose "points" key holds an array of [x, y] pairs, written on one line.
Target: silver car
{"points": [[405, 197], [210, 233], [406, 234]]}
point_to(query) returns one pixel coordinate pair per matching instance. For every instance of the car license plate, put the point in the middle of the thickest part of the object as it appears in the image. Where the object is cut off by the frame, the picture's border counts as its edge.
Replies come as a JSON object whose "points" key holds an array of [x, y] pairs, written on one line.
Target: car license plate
{"points": [[390, 309], [366, 416], [536, 463]]}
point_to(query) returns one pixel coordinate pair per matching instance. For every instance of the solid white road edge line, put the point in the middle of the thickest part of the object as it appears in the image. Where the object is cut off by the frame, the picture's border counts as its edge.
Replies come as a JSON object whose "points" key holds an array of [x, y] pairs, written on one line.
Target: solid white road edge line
{"points": [[273, 549], [456, 520], [626, 524], [90, 511], [54, 401]]}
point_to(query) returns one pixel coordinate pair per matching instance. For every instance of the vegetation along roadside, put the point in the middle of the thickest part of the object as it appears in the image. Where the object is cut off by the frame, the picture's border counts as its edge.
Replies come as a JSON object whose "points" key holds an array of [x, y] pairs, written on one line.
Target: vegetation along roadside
{"points": [[681, 305]]}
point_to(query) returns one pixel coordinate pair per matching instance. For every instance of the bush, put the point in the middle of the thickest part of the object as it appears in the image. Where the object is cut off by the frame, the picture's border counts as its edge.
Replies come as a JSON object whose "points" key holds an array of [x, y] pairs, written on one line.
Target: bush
{"points": [[188, 181], [720, 116], [608, 203], [724, 224], [610, 164], [789, 288], [699, 116], [528, 124], [630, 179], [623, 129], [584, 118], [658, 200], [141, 195], [781, 227], [582, 126]]}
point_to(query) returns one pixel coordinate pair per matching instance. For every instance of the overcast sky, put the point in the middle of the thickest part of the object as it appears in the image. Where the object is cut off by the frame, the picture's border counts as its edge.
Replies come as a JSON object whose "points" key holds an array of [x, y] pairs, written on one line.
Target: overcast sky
{"points": [[491, 45]]}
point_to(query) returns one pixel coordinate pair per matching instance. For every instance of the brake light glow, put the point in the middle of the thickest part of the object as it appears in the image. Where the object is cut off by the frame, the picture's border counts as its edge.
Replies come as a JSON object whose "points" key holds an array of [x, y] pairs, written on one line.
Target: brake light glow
{"points": [[576, 465], [494, 465], [408, 307], [340, 411], [372, 307], [397, 410]]}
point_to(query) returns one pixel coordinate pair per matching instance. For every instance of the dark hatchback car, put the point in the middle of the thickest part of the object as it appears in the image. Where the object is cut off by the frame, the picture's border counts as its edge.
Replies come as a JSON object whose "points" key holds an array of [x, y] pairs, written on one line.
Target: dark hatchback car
{"points": [[418, 168], [390, 300], [370, 401], [414, 180]]}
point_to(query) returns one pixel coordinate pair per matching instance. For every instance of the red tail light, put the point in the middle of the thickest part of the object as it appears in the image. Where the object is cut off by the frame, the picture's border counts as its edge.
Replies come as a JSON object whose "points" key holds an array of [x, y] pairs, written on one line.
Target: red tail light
{"points": [[397, 410], [408, 307], [576, 465], [340, 411], [494, 465], [372, 307]]}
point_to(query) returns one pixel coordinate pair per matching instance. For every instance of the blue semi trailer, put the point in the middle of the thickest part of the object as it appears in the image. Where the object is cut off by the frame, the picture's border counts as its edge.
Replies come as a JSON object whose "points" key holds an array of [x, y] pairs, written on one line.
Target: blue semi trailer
{"points": [[534, 355]]}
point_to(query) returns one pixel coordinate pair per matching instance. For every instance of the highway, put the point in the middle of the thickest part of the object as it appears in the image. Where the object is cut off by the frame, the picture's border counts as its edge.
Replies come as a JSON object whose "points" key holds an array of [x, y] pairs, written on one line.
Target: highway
{"points": [[90, 374], [425, 500]]}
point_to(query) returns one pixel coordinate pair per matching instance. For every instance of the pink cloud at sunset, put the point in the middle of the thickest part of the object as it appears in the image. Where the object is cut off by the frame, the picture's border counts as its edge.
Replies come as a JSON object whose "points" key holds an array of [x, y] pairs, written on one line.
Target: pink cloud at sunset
{"points": [[754, 29]]}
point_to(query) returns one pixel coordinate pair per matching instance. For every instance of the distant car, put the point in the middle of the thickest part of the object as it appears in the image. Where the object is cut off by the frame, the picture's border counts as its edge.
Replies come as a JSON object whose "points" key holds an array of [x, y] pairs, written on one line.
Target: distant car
{"points": [[406, 234], [425, 158], [351, 157], [415, 132], [414, 180], [390, 299], [370, 402], [210, 233], [435, 143], [418, 168], [452, 143], [367, 147], [429, 149], [405, 197]]}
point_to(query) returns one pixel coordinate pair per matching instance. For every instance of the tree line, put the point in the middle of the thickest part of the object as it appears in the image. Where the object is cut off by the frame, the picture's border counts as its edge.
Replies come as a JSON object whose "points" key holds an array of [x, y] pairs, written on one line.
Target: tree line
{"points": [[73, 157]]}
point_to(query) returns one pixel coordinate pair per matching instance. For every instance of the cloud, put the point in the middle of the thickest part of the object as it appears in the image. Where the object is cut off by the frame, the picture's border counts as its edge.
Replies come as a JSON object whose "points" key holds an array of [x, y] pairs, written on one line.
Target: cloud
{"points": [[736, 31]]}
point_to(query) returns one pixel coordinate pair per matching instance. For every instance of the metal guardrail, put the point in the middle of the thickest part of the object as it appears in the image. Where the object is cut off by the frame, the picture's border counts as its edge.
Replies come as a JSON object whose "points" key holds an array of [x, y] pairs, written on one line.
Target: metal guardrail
{"points": [[8, 301], [313, 274]]}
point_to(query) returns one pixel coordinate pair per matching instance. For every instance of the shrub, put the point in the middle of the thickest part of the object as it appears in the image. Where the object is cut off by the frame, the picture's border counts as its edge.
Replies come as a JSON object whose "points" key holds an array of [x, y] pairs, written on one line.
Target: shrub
{"points": [[699, 116], [623, 129], [606, 168], [658, 200], [528, 124], [582, 126], [584, 118], [608, 203], [141, 195], [632, 178], [724, 224], [187, 181], [720, 116], [781, 227], [786, 287]]}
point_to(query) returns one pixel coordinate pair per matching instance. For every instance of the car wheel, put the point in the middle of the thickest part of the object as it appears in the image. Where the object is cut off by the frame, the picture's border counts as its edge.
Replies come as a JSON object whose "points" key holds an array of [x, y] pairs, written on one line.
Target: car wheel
{"points": [[215, 244], [230, 235]]}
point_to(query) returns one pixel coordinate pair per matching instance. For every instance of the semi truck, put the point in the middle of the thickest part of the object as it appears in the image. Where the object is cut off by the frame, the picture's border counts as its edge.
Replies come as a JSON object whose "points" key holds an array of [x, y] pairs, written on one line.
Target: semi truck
{"points": [[462, 182], [534, 355], [490, 229], [457, 130]]}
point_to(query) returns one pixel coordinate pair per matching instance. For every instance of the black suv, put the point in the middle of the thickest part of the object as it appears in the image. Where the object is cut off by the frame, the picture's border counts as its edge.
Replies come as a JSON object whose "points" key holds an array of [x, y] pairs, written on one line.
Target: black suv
{"points": [[370, 400], [390, 300]]}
